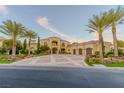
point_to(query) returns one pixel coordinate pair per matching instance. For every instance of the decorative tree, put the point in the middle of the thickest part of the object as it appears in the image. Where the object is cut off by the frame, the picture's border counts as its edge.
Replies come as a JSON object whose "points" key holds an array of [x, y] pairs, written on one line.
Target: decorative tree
{"points": [[38, 45], [98, 24], [12, 29], [25, 44]]}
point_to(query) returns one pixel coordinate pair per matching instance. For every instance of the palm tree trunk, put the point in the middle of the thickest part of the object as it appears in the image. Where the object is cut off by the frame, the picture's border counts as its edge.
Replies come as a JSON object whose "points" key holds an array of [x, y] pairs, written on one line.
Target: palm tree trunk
{"points": [[29, 44], [13, 47], [115, 40], [101, 46]]}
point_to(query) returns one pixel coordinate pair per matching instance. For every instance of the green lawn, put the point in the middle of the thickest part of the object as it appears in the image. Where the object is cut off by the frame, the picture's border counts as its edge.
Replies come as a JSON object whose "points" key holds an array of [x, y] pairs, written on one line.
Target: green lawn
{"points": [[3, 57], [6, 61], [119, 64], [90, 64]]}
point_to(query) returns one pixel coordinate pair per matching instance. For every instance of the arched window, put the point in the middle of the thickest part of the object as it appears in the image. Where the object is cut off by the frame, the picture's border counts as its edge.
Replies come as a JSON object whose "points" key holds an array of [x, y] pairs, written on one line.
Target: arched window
{"points": [[80, 51], [54, 43], [62, 50], [89, 51], [74, 51], [54, 50], [63, 44]]}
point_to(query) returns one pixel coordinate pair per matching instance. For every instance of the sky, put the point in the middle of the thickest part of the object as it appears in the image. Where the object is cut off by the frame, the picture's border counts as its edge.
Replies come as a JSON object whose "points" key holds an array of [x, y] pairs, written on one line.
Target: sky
{"points": [[65, 21]]}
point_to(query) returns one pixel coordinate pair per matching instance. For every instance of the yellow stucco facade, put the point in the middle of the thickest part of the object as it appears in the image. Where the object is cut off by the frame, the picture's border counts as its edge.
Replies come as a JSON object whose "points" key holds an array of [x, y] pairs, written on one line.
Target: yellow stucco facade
{"points": [[60, 46], [57, 46]]}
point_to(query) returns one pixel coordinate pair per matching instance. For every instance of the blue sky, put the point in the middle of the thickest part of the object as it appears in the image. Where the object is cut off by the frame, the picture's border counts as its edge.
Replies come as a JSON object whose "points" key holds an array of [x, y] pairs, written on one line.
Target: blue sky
{"points": [[67, 22]]}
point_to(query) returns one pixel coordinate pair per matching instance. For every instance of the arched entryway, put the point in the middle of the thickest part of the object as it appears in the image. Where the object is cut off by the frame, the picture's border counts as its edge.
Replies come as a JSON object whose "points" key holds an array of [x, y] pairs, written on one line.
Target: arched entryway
{"points": [[89, 51], [80, 51], [74, 51], [54, 50], [63, 50]]}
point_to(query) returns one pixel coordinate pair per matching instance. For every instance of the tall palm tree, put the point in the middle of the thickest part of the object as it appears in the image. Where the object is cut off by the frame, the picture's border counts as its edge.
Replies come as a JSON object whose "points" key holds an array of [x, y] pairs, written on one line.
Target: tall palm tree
{"points": [[115, 16], [13, 29], [30, 35], [98, 24]]}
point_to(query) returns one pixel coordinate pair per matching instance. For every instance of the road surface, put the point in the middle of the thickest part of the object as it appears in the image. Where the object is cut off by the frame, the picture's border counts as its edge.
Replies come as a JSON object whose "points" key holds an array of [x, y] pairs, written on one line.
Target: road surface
{"points": [[59, 77]]}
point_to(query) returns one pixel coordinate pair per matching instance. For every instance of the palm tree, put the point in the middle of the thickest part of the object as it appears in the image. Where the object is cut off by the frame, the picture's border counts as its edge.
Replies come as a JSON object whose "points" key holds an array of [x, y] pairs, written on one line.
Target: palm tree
{"points": [[115, 16], [13, 29], [98, 24], [30, 35]]}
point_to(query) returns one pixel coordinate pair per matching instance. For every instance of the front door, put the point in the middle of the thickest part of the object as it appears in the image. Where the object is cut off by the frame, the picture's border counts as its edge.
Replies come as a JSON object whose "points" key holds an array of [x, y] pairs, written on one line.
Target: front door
{"points": [[54, 51], [62, 50], [80, 51], [74, 51]]}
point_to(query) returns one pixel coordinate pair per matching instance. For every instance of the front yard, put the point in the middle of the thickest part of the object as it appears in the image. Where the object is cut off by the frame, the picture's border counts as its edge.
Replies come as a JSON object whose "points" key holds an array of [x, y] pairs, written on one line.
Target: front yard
{"points": [[2, 56], [114, 62], [4, 59], [118, 64]]}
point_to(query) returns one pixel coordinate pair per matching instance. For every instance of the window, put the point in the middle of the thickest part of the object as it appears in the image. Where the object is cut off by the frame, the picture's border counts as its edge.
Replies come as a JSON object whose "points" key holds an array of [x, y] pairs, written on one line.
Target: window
{"points": [[89, 51], [63, 44], [54, 43], [80, 51], [74, 51]]}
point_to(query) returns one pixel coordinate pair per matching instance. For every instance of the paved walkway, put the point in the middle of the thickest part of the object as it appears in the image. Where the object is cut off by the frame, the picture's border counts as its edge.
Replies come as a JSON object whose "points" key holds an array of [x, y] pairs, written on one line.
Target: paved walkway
{"points": [[54, 60]]}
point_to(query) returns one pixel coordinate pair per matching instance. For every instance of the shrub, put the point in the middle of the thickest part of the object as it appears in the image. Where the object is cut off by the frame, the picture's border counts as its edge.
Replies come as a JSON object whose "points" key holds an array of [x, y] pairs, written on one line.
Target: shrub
{"points": [[96, 54], [120, 52], [24, 51], [109, 53], [92, 60], [42, 50], [95, 61], [87, 58], [21, 55], [110, 56], [4, 56]]}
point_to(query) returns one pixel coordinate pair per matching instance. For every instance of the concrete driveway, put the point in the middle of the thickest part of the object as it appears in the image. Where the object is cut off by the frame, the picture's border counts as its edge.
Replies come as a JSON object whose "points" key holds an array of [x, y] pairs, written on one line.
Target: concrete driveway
{"points": [[54, 60]]}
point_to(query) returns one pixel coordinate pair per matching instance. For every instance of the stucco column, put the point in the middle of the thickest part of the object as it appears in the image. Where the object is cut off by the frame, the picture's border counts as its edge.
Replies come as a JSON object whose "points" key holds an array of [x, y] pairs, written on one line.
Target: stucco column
{"points": [[51, 51], [57, 51], [84, 52]]}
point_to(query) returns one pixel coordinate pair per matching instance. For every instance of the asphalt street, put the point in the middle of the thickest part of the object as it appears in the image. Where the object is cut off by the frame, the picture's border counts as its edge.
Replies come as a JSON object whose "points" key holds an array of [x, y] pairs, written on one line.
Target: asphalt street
{"points": [[59, 77]]}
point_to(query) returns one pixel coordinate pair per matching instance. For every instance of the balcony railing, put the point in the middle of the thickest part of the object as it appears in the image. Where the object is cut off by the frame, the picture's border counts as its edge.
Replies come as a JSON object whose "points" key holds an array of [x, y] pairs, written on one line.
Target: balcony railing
{"points": [[54, 44]]}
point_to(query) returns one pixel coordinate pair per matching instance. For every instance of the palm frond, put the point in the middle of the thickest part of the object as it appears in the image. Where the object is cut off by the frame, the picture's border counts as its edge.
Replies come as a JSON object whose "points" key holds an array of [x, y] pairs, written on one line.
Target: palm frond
{"points": [[10, 27]]}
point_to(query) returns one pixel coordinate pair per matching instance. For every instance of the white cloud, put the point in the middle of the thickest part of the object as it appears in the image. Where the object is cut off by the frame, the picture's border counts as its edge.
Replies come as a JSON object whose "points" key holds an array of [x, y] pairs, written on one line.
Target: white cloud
{"points": [[44, 22], [3, 9], [107, 34]]}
